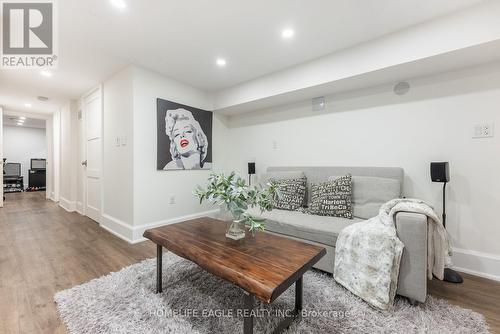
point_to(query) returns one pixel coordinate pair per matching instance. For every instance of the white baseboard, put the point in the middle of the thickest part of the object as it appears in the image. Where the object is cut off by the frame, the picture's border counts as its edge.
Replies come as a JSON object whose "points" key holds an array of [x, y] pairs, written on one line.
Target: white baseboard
{"points": [[51, 197], [477, 263], [67, 205], [133, 234], [79, 207], [138, 231], [117, 227]]}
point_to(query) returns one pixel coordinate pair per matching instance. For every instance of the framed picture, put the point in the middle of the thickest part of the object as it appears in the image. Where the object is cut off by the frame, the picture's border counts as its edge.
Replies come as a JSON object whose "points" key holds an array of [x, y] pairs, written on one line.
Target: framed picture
{"points": [[184, 137]]}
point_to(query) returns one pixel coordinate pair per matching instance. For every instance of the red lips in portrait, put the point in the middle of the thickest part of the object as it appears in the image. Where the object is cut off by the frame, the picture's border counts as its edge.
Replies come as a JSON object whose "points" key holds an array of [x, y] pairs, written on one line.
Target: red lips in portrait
{"points": [[184, 143]]}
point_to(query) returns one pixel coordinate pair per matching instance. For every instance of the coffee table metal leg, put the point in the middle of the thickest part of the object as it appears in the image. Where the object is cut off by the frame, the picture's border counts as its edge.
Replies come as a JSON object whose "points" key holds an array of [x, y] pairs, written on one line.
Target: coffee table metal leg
{"points": [[248, 302], [159, 253], [285, 323], [298, 295]]}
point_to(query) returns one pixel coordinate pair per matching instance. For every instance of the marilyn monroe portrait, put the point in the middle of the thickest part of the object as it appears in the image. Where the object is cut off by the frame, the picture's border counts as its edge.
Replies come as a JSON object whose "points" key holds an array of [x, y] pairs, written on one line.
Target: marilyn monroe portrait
{"points": [[188, 142]]}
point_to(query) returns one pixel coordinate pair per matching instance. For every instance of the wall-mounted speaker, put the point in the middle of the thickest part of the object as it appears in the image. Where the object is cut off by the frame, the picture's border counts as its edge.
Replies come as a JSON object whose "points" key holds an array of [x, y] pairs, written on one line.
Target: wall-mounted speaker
{"points": [[251, 168], [440, 172], [401, 88]]}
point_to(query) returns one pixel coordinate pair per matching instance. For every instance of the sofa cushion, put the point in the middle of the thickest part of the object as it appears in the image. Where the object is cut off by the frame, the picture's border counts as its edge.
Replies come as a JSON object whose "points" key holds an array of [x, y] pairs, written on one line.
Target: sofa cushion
{"points": [[322, 229], [369, 193], [292, 193], [332, 198], [284, 175]]}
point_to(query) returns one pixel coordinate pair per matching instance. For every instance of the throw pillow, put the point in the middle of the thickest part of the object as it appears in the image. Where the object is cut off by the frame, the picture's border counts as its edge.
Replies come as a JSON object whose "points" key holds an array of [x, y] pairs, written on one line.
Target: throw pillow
{"points": [[332, 198], [292, 193]]}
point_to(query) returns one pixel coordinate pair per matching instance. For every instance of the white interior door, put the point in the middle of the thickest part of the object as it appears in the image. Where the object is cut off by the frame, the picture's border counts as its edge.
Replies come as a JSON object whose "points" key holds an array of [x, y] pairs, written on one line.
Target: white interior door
{"points": [[92, 165]]}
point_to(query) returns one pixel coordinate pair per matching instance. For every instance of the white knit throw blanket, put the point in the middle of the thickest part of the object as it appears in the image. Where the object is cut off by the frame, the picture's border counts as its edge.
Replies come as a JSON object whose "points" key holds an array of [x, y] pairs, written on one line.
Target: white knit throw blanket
{"points": [[368, 253]]}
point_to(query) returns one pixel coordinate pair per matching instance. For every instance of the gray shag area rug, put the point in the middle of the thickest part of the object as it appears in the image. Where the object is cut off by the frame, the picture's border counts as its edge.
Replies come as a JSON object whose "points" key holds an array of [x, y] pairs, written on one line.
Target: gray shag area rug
{"points": [[194, 301]]}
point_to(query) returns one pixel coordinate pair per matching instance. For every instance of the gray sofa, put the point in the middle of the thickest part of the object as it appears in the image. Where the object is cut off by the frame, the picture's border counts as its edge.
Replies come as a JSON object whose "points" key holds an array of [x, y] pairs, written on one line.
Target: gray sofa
{"points": [[372, 186]]}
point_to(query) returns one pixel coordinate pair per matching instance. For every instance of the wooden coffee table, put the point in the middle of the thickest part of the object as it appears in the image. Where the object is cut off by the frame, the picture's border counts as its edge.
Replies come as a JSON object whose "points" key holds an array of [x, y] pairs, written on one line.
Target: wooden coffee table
{"points": [[263, 266]]}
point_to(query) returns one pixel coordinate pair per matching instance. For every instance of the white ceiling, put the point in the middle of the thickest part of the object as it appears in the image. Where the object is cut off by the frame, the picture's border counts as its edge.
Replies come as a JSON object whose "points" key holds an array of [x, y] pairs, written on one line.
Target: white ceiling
{"points": [[182, 39], [10, 120]]}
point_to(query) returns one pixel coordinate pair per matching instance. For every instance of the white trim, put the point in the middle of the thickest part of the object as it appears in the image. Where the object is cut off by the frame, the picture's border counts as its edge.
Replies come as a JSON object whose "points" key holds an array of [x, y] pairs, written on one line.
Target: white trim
{"points": [[67, 205], [138, 231], [117, 227], [477, 263], [133, 234], [51, 197], [79, 208]]}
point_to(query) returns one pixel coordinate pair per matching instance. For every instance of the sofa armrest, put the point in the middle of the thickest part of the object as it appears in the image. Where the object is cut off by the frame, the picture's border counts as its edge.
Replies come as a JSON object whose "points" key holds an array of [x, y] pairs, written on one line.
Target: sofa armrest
{"points": [[412, 231]]}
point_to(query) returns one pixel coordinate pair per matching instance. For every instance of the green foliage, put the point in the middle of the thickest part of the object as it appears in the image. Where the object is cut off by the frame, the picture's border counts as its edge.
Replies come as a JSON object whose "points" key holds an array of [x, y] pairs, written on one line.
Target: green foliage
{"points": [[232, 193]]}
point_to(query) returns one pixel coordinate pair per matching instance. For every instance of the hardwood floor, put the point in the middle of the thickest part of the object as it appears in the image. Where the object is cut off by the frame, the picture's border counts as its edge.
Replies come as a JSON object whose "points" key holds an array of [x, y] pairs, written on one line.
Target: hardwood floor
{"points": [[44, 249]]}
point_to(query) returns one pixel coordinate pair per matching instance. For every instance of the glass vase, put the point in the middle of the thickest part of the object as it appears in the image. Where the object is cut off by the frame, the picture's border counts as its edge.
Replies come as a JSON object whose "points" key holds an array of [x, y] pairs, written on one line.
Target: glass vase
{"points": [[236, 230]]}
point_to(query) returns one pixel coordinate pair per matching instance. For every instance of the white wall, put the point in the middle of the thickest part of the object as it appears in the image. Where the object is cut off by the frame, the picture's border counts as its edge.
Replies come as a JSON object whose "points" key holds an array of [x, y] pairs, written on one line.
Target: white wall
{"points": [[68, 156], [80, 157], [135, 194], [49, 125], [118, 162], [152, 188], [433, 122], [56, 155], [22, 144]]}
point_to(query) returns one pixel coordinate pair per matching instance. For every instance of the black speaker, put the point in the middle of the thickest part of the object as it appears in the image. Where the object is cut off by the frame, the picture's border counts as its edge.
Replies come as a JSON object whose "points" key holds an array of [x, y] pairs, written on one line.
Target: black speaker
{"points": [[440, 172], [251, 168]]}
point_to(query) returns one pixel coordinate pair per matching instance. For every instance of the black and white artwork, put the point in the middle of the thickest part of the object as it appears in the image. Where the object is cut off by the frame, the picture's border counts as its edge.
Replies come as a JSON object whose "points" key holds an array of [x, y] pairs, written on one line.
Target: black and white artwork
{"points": [[184, 137]]}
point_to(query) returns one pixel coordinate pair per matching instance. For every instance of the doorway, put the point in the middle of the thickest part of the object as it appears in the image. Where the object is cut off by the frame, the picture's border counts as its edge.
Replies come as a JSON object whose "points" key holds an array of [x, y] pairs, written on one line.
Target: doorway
{"points": [[24, 156]]}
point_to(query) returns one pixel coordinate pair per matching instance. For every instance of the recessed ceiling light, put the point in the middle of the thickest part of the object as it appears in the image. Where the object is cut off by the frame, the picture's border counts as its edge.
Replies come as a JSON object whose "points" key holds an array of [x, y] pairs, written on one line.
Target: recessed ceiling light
{"points": [[287, 33], [121, 4], [22, 118], [28, 105], [19, 124], [46, 74], [221, 62]]}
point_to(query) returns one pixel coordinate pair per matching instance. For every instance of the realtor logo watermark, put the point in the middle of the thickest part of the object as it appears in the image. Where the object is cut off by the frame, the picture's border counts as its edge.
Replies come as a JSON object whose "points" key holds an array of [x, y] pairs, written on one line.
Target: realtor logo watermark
{"points": [[28, 34]]}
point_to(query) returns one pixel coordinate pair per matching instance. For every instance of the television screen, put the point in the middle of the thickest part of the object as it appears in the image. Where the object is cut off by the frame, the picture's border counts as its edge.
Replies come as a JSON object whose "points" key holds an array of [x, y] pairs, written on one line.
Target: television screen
{"points": [[12, 169]]}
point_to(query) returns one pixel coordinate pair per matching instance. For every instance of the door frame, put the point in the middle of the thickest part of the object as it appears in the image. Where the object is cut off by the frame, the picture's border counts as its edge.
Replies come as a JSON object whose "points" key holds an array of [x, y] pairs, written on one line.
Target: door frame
{"points": [[83, 146], [49, 147], [1, 155]]}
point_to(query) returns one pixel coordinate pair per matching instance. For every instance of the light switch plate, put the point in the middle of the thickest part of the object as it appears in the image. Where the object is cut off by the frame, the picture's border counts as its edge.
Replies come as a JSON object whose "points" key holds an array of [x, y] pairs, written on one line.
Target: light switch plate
{"points": [[483, 130], [172, 199]]}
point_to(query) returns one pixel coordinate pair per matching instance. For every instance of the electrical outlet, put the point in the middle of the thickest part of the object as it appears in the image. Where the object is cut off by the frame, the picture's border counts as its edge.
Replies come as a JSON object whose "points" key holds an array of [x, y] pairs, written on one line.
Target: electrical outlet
{"points": [[484, 130], [172, 199], [124, 140], [275, 145]]}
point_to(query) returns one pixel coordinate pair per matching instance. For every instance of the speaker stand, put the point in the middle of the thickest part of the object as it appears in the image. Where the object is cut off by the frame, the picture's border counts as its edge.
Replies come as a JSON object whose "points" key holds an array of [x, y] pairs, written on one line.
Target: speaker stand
{"points": [[450, 275]]}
